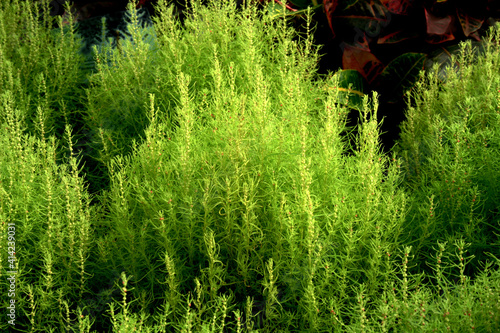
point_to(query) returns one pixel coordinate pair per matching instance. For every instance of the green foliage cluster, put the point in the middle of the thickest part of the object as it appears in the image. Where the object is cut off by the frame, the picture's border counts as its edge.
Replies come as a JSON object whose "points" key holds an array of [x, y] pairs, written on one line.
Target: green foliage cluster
{"points": [[449, 144], [235, 201]]}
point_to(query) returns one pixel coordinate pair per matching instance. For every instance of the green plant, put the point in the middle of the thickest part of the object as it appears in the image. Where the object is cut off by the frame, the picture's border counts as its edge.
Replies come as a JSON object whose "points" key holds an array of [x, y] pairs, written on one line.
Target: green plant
{"points": [[240, 205], [449, 143]]}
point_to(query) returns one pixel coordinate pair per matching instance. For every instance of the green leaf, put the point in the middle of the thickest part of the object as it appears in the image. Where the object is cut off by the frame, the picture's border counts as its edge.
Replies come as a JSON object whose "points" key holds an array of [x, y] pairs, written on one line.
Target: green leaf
{"points": [[442, 57], [350, 88], [400, 75], [275, 10], [301, 4]]}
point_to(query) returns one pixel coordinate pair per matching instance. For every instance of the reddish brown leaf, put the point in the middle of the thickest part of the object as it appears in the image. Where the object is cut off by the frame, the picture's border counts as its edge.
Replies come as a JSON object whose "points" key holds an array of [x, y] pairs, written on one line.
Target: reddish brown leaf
{"points": [[330, 6], [362, 13], [358, 16], [396, 37], [475, 35], [364, 62], [438, 39], [469, 24], [439, 30], [436, 25], [399, 7], [361, 43]]}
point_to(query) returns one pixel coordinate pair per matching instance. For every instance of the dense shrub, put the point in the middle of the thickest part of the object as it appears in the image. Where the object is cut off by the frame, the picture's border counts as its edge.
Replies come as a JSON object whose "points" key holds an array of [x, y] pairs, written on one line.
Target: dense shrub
{"points": [[235, 202]]}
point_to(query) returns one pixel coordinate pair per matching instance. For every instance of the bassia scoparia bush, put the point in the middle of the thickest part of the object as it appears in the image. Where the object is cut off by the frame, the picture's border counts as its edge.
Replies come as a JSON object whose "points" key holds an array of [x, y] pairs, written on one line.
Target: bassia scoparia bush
{"points": [[235, 201], [450, 147]]}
